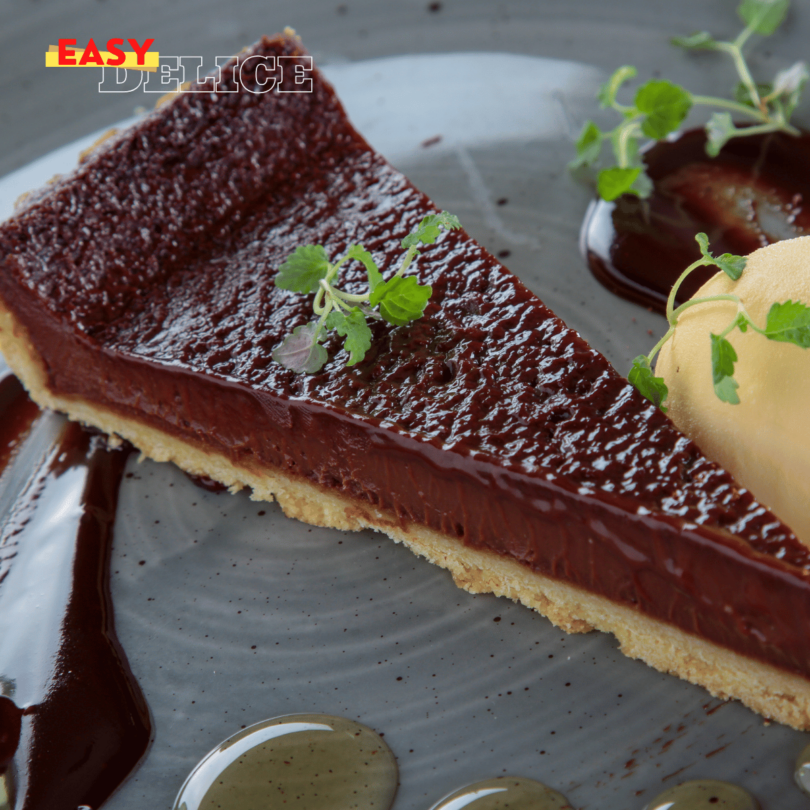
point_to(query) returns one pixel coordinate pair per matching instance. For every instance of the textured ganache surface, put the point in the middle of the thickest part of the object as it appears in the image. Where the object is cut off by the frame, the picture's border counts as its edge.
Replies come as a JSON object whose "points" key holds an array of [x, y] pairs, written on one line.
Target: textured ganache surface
{"points": [[145, 283]]}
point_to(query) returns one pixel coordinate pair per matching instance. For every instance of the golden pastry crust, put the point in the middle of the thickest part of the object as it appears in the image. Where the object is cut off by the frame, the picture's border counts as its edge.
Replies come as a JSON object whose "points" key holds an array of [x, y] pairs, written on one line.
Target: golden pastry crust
{"points": [[765, 689]]}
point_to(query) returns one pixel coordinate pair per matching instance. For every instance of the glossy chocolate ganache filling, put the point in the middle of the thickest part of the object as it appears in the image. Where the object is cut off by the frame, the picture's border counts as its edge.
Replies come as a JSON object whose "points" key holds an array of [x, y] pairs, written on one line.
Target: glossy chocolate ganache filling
{"points": [[145, 284]]}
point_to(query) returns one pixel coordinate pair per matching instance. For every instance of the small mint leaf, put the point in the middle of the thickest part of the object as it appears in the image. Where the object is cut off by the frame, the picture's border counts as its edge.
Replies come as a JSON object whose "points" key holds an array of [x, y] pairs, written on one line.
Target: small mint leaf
{"points": [[790, 80], [726, 390], [300, 352], [334, 319], [703, 244], [723, 359], [664, 104], [789, 322], [718, 131], [401, 300], [763, 16], [428, 230], [648, 385], [303, 269], [612, 183], [789, 84], [353, 327], [642, 185], [607, 92], [364, 257], [632, 154], [700, 40], [730, 264], [589, 145], [743, 95]]}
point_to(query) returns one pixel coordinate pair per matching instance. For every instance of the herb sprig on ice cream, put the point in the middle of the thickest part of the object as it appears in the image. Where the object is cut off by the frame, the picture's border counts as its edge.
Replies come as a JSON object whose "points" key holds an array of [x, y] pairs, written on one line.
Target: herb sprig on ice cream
{"points": [[714, 356], [660, 106]]}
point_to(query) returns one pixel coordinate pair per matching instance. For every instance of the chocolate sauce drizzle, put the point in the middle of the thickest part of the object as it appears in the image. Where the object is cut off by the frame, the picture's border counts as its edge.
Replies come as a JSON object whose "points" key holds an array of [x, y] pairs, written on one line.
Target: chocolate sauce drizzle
{"points": [[73, 721], [17, 414], [753, 194]]}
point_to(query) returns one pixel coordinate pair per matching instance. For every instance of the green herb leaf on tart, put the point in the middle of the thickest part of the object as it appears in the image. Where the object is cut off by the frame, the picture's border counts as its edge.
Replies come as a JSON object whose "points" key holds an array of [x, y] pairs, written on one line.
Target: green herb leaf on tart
{"points": [[300, 352], [303, 269], [401, 300], [364, 257], [351, 325], [398, 300], [428, 230]]}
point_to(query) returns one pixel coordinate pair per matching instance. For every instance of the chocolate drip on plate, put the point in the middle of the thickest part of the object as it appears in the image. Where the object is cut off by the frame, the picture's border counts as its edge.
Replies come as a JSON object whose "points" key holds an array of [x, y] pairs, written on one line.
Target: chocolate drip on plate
{"points": [[73, 722], [17, 414]]}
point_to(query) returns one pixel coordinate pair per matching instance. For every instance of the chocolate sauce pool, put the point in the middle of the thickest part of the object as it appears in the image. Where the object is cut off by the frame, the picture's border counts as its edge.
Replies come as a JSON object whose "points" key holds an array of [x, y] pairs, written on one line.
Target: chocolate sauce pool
{"points": [[73, 722], [756, 192]]}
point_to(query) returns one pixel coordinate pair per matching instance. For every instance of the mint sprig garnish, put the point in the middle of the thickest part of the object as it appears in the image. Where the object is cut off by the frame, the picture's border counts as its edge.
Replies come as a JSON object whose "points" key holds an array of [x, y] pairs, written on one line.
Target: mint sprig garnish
{"points": [[732, 266], [303, 270], [663, 105], [352, 326], [723, 359], [763, 16], [642, 377], [399, 300], [660, 106], [788, 322], [301, 351]]}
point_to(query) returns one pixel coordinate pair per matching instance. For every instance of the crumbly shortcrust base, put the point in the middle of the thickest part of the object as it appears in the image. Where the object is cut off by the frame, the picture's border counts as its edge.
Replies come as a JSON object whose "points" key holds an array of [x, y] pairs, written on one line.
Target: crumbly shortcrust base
{"points": [[765, 689]]}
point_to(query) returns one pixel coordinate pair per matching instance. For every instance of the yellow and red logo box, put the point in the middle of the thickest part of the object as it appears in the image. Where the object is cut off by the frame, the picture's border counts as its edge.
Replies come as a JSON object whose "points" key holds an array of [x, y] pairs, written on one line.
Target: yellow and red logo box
{"points": [[66, 54]]}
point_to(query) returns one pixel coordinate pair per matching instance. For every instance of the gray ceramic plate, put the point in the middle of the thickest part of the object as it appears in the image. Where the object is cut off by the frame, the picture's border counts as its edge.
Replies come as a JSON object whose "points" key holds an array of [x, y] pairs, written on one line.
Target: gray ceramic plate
{"points": [[463, 687]]}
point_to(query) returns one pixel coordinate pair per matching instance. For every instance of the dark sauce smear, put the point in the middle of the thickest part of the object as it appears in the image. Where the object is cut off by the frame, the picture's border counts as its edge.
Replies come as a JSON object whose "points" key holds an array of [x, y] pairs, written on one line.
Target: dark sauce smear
{"points": [[756, 192], [17, 414], [73, 721]]}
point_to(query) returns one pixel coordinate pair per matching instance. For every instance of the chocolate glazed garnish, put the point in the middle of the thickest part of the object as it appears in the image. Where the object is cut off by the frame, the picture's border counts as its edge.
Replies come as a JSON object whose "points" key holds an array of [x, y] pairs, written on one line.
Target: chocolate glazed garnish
{"points": [[756, 192], [73, 722]]}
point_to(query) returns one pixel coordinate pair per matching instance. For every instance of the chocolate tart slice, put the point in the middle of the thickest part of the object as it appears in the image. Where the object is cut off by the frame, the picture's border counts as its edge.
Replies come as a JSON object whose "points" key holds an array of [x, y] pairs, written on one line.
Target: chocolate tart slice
{"points": [[137, 295]]}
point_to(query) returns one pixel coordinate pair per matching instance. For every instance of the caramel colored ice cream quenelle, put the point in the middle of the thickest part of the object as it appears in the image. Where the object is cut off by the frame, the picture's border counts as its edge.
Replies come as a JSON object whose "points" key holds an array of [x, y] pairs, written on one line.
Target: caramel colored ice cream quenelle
{"points": [[764, 441]]}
